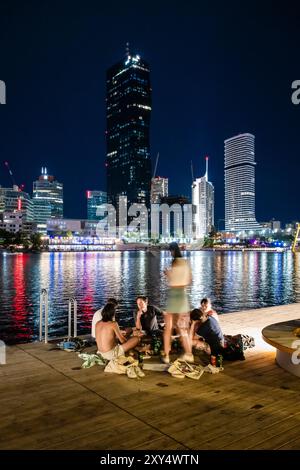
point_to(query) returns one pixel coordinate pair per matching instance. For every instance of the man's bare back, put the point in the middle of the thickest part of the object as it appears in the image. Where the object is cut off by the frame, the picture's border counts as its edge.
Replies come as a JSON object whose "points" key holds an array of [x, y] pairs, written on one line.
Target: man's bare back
{"points": [[107, 334]]}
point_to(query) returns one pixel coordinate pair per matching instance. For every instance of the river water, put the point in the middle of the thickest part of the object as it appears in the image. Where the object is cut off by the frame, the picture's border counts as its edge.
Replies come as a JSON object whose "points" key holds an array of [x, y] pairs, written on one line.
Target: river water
{"points": [[234, 281]]}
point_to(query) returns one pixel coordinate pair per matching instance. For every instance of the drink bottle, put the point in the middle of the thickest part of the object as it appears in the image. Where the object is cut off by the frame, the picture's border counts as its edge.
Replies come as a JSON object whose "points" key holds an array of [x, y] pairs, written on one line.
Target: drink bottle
{"points": [[140, 358], [219, 360]]}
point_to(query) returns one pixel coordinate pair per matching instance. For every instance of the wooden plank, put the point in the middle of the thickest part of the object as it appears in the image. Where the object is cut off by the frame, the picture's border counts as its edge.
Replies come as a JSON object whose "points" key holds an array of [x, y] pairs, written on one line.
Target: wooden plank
{"points": [[47, 401], [133, 435], [293, 444]]}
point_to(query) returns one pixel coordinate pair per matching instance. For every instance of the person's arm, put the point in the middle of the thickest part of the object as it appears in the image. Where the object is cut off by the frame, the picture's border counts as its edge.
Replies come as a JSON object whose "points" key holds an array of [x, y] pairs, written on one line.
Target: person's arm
{"points": [[138, 323], [190, 276], [118, 333], [192, 330]]}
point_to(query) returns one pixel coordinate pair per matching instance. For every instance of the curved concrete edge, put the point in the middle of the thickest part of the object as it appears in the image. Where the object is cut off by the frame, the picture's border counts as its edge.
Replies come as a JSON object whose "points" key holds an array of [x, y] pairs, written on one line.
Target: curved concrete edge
{"points": [[284, 360]]}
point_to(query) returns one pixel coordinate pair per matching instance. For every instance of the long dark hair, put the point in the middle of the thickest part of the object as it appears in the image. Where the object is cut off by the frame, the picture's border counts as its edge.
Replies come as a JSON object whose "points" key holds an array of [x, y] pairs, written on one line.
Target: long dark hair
{"points": [[108, 312], [176, 253]]}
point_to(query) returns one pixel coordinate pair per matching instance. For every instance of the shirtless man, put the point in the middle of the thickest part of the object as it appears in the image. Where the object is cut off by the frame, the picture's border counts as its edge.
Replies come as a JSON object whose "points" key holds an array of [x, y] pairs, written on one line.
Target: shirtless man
{"points": [[108, 334]]}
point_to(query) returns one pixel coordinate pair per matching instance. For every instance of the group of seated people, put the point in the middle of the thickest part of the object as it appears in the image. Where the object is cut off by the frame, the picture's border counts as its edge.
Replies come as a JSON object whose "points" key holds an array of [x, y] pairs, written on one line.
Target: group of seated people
{"points": [[204, 333]]}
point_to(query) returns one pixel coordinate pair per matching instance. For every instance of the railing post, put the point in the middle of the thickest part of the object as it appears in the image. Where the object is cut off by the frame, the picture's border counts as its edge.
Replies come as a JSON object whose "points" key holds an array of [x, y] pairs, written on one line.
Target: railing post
{"points": [[75, 317], [72, 309], [44, 313], [70, 320]]}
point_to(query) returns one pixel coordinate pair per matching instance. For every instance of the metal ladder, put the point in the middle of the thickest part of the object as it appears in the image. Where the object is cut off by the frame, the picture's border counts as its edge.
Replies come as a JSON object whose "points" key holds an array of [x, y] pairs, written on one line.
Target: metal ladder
{"points": [[44, 316]]}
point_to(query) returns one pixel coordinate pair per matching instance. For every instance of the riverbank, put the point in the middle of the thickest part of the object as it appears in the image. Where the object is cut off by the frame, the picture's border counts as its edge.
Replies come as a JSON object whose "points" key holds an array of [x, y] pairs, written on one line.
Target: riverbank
{"points": [[148, 249], [48, 402]]}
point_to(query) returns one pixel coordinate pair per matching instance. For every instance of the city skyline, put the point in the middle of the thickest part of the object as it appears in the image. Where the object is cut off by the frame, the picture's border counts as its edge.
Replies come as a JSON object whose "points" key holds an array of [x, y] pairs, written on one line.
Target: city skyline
{"points": [[59, 119]]}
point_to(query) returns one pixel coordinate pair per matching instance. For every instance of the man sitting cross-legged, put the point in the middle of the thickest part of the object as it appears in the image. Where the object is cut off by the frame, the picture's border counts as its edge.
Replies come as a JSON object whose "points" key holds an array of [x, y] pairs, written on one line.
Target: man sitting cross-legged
{"points": [[108, 334]]}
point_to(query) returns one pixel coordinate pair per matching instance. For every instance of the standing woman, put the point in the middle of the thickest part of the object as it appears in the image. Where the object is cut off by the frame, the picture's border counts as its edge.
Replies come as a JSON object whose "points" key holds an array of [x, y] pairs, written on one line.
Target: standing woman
{"points": [[177, 312]]}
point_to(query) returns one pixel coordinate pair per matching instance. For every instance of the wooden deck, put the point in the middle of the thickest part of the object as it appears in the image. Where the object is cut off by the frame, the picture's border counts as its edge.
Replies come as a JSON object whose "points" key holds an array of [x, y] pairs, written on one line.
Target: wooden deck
{"points": [[48, 402]]}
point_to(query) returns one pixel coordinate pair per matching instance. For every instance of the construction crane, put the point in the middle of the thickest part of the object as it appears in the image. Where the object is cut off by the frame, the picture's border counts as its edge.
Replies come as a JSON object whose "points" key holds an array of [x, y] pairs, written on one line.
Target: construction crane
{"points": [[155, 168], [21, 187], [192, 171], [10, 174], [296, 239]]}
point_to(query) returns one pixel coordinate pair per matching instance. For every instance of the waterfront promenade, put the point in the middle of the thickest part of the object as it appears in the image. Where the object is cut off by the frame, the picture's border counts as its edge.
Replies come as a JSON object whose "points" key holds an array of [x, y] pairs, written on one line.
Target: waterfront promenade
{"points": [[48, 402]]}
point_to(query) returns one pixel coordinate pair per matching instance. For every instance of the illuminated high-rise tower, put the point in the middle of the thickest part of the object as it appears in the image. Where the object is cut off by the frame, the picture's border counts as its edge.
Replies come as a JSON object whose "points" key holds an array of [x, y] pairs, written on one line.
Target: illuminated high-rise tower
{"points": [[128, 110], [47, 200], [95, 199], [240, 183], [203, 199]]}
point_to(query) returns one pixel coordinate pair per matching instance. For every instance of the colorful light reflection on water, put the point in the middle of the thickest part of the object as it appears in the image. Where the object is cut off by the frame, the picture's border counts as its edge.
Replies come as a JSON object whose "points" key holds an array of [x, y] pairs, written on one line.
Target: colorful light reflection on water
{"points": [[234, 280]]}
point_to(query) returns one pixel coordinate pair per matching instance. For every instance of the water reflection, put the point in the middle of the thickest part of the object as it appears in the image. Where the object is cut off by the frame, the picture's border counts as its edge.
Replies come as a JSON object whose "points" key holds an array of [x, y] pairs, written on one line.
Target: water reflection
{"points": [[234, 281]]}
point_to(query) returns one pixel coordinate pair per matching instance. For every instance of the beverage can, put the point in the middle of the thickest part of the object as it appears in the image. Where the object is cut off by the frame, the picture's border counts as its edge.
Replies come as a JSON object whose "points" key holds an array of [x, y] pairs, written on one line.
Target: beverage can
{"points": [[213, 360]]}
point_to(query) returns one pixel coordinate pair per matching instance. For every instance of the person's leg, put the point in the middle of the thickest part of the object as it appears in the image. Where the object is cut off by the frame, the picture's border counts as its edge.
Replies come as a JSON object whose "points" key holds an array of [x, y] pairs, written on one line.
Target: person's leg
{"points": [[201, 345], [183, 327], [168, 317], [131, 343]]}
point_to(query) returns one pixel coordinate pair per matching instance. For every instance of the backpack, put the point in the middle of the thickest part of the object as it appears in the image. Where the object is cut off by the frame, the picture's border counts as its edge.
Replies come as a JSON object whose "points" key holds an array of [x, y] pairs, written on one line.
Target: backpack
{"points": [[234, 348]]}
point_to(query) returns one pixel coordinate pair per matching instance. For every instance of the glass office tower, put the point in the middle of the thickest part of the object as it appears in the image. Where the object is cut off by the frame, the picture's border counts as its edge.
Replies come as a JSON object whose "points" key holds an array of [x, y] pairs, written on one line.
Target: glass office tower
{"points": [[128, 110]]}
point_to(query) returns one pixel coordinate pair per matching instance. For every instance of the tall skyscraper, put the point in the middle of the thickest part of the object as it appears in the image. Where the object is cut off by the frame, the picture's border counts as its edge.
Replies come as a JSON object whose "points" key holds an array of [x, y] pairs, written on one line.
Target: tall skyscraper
{"points": [[159, 189], [94, 200], [203, 200], [47, 200], [240, 183], [128, 110]]}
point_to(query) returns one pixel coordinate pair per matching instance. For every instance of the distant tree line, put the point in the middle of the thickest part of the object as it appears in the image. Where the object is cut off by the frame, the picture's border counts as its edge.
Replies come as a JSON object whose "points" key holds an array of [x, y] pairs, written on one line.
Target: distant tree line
{"points": [[21, 240]]}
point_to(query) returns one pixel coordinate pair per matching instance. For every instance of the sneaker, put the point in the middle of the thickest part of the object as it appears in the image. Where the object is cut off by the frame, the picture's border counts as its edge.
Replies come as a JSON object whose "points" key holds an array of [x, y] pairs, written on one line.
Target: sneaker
{"points": [[114, 367], [139, 372], [186, 358], [165, 359], [131, 372], [213, 369]]}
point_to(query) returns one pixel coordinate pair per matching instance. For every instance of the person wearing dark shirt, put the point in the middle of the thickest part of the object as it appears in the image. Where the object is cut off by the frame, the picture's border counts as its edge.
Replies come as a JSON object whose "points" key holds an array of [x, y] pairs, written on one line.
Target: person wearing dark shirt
{"points": [[145, 316], [206, 332]]}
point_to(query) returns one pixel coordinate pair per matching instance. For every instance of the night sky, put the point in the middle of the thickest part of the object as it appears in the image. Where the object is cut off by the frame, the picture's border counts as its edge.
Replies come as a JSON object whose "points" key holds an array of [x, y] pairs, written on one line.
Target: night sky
{"points": [[215, 73]]}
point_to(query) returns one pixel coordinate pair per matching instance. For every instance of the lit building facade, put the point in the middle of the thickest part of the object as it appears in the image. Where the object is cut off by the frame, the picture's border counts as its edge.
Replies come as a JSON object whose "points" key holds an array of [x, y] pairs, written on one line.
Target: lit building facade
{"points": [[240, 183], [47, 200], [15, 221], [94, 200], [128, 110], [203, 200], [58, 226], [77, 235], [159, 189], [12, 199]]}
